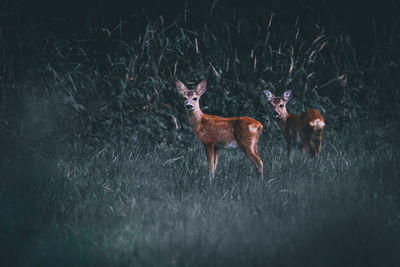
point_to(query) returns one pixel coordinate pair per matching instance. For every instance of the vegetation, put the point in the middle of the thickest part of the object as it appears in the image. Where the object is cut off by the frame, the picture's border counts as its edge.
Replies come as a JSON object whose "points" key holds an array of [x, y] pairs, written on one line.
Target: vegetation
{"points": [[99, 165]]}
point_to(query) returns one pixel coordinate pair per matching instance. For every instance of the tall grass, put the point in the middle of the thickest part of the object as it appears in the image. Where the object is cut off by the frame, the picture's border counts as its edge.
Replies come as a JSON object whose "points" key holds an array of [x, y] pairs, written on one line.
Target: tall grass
{"points": [[99, 165], [115, 83]]}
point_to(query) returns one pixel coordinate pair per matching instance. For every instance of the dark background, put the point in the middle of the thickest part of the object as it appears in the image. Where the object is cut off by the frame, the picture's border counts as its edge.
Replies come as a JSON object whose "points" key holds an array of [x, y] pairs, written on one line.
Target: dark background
{"points": [[367, 22]]}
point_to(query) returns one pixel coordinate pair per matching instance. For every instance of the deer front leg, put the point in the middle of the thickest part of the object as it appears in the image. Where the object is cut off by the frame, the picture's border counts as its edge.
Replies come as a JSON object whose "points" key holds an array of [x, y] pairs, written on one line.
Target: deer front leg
{"points": [[210, 160], [289, 143], [215, 159]]}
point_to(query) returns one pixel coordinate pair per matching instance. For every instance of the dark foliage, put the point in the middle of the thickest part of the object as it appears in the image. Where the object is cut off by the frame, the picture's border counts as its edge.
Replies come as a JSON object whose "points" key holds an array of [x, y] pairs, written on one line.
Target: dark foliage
{"points": [[116, 83]]}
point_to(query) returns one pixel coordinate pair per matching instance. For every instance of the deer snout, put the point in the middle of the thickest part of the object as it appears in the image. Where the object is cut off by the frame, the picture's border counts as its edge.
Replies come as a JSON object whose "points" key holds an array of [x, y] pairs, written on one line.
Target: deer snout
{"points": [[275, 114], [189, 106]]}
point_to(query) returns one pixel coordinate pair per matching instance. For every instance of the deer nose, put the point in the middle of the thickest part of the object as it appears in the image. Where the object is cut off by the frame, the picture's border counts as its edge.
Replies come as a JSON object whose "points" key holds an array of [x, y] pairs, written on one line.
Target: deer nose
{"points": [[275, 114], [189, 106]]}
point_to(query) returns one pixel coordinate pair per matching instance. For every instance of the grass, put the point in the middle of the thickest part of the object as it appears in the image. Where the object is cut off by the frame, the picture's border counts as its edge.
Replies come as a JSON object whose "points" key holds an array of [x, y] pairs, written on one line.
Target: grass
{"points": [[119, 205], [99, 166]]}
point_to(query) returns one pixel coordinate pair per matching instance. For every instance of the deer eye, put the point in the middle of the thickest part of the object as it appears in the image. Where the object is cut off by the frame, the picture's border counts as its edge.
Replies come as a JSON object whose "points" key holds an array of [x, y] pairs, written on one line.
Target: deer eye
{"points": [[281, 105], [194, 99], [185, 98]]}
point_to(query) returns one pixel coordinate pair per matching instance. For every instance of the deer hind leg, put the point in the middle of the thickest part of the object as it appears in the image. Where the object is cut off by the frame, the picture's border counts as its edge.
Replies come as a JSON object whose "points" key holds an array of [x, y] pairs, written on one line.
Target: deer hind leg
{"points": [[306, 139], [210, 160], [254, 158], [260, 164], [255, 144], [318, 141]]}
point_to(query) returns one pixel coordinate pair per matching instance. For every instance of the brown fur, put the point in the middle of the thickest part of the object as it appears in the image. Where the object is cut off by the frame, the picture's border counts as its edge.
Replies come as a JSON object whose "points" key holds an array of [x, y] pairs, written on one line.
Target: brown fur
{"points": [[217, 133], [308, 125]]}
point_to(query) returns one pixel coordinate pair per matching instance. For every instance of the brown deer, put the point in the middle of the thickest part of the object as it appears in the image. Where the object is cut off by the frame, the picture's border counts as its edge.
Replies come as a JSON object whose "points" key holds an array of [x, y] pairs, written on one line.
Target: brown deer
{"points": [[308, 125], [217, 133]]}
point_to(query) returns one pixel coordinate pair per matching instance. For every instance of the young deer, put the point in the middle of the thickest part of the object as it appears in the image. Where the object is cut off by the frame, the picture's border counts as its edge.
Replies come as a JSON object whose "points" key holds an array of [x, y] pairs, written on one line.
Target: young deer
{"points": [[308, 125], [217, 133]]}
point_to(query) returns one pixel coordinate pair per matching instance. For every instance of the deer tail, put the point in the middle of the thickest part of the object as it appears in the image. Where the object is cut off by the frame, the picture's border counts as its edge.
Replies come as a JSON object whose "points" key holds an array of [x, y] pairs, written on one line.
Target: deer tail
{"points": [[317, 124]]}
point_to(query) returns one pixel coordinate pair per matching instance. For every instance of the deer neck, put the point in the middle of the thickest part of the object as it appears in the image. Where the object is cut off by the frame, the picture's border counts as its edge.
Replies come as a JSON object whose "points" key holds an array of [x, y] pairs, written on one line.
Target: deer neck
{"points": [[195, 116], [282, 120]]}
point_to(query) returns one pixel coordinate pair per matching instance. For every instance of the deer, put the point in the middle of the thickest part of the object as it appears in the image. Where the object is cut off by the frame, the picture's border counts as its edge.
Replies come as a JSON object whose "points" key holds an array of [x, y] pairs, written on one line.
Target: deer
{"points": [[307, 126], [216, 133]]}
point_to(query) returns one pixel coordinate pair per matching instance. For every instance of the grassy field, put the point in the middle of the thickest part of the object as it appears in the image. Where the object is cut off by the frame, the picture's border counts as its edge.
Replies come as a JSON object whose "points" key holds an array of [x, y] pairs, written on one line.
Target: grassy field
{"points": [[99, 165], [122, 205]]}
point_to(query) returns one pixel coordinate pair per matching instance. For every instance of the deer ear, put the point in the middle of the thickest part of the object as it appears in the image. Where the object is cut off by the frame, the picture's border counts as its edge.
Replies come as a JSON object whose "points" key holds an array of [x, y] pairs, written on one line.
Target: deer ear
{"points": [[287, 95], [180, 87], [201, 87], [268, 95]]}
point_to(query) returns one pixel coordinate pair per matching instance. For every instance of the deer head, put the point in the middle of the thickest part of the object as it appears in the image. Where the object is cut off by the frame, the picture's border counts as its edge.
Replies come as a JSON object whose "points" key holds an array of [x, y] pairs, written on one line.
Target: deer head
{"points": [[278, 103], [192, 97]]}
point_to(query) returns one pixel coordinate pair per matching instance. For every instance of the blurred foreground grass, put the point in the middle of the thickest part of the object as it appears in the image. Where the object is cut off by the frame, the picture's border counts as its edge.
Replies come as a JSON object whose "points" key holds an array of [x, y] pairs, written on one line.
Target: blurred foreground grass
{"points": [[119, 206]]}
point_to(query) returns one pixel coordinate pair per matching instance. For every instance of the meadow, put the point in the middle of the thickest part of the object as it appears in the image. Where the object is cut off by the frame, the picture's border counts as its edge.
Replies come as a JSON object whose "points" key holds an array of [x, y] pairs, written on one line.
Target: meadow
{"points": [[99, 165], [121, 206]]}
